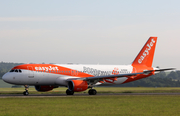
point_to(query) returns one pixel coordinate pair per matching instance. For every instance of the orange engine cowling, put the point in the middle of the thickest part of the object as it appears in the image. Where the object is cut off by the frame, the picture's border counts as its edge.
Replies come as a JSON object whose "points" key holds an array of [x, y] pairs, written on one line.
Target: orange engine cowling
{"points": [[44, 88], [77, 85]]}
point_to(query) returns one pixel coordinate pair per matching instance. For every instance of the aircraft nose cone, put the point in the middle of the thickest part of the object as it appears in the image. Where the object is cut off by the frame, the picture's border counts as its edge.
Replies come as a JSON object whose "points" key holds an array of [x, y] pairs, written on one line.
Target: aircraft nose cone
{"points": [[5, 77]]}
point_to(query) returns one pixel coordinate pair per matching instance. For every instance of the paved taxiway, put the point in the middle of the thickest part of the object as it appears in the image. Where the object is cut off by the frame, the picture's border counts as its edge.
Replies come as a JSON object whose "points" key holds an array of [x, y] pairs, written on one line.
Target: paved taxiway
{"points": [[64, 95]]}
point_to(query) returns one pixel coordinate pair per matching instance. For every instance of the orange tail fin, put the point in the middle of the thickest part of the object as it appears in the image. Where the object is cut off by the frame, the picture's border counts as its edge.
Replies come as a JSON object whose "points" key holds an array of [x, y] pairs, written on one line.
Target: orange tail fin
{"points": [[146, 55]]}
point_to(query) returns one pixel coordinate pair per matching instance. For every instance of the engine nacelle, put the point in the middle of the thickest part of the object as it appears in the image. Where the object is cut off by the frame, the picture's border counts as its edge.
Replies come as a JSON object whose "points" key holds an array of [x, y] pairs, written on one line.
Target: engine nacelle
{"points": [[44, 88], [77, 85]]}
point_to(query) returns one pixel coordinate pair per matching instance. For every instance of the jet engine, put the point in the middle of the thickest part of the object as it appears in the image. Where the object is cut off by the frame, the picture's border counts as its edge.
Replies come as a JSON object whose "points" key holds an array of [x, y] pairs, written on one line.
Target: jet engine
{"points": [[44, 88], [77, 85]]}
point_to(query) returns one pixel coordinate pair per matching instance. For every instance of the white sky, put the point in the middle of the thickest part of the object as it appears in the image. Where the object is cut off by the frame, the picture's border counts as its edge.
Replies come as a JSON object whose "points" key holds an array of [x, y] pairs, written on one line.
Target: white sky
{"points": [[88, 32]]}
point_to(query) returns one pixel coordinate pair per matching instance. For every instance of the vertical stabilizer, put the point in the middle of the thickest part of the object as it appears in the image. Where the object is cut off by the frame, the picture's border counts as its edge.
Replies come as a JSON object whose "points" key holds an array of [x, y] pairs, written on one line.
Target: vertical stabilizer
{"points": [[146, 55]]}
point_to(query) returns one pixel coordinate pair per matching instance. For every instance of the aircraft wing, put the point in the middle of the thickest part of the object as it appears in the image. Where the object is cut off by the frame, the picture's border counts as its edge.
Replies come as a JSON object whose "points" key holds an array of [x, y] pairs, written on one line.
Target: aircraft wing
{"points": [[128, 75], [111, 76], [158, 70], [106, 76]]}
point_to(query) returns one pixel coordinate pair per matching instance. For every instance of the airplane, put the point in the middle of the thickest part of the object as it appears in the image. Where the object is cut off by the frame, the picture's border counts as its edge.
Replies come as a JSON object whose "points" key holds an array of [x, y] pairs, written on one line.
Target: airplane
{"points": [[80, 77]]}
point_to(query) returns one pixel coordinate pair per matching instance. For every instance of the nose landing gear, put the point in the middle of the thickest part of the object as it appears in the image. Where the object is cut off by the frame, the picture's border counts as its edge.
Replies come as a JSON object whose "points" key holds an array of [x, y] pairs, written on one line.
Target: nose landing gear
{"points": [[26, 90]]}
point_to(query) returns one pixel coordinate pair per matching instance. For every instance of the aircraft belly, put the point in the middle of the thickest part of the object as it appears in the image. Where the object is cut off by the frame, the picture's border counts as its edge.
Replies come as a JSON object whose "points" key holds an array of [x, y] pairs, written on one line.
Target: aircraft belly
{"points": [[121, 80]]}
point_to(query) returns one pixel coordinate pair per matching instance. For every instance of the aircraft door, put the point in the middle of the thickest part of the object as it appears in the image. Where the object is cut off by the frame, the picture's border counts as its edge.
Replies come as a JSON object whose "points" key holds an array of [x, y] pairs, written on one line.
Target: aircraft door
{"points": [[31, 78], [31, 73]]}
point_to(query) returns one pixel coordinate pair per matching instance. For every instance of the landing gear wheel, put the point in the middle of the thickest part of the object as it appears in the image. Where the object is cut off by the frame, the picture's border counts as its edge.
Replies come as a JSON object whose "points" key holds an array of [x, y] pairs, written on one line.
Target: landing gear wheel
{"points": [[68, 92], [92, 92], [26, 93]]}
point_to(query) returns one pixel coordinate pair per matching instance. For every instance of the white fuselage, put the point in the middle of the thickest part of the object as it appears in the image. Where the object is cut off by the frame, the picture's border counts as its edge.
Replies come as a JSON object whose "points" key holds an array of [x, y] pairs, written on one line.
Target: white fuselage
{"points": [[58, 76]]}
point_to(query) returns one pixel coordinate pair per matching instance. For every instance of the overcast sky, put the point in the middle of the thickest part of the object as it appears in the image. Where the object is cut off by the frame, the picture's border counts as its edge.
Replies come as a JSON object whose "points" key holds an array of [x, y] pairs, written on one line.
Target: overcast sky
{"points": [[88, 31]]}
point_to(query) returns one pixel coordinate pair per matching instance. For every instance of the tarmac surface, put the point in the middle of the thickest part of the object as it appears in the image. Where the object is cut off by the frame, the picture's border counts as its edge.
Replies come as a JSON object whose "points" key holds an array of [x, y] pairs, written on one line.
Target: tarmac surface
{"points": [[82, 94]]}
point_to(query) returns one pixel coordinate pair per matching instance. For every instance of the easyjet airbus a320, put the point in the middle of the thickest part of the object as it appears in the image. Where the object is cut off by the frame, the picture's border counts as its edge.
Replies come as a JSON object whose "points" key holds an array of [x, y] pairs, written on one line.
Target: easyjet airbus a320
{"points": [[77, 78]]}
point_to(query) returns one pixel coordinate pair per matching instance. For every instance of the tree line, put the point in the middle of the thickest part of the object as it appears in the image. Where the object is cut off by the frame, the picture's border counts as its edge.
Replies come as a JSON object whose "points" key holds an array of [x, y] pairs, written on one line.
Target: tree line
{"points": [[161, 79]]}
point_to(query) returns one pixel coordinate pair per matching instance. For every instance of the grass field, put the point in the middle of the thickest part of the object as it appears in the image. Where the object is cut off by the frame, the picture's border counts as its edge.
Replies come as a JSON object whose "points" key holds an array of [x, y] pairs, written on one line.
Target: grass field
{"points": [[128, 105], [124, 105]]}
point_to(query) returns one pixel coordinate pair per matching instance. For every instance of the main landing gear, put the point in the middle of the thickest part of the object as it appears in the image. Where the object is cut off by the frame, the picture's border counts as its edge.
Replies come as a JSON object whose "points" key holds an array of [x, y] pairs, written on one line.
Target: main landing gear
{"points": [[26, 90], [68, 92], [92, 92]]}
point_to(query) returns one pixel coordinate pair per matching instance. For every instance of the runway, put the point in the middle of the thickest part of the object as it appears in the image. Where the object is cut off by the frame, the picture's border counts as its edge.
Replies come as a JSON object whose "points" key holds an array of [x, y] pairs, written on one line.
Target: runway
{"points": [[81, 94]]}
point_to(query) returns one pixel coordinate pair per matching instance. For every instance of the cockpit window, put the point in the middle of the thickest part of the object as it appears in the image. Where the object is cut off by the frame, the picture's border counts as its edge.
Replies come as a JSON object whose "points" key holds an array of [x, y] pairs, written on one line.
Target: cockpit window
{"points": [[12, 70], [16, 70]]}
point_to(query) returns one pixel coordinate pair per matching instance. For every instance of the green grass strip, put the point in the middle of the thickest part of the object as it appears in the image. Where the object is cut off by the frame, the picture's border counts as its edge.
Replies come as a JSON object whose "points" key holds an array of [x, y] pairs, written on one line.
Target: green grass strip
{"points": [[156, 105]]}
